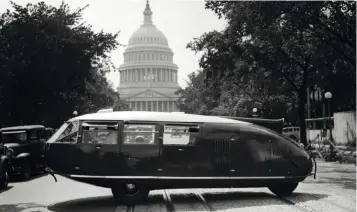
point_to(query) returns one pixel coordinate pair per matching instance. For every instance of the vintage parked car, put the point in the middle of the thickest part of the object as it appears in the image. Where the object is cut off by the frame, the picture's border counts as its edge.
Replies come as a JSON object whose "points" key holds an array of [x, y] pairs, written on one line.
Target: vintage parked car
{"points": [[102, 149], [25, 149], [4, 162]]}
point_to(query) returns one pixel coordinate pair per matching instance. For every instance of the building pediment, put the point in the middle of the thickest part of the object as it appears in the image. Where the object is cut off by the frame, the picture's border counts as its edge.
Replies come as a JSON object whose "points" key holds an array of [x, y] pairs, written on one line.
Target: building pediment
{"points": [[149, 94]]}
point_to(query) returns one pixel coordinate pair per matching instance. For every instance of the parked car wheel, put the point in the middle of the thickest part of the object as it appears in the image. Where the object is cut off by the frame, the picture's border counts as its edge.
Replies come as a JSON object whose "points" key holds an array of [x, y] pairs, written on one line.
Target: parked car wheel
{"points": [[27, 171], [282, 190], [130, 194], [4, 181]]}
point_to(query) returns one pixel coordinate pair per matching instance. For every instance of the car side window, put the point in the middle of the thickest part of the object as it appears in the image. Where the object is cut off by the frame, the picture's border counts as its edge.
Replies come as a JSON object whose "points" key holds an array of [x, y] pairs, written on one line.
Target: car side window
{"points": [[139, 134], [102, 133], [180, 135]]}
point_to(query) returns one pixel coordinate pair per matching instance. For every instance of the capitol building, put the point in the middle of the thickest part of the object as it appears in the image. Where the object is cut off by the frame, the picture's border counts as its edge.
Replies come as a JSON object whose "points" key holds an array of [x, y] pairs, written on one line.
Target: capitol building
{"points": [[148, 77]]}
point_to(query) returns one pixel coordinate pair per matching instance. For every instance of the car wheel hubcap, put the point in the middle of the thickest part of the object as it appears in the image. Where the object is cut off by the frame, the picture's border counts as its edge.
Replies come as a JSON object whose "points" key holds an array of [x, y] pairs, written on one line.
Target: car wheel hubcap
{"points": [[131, 189], [6, 179]]}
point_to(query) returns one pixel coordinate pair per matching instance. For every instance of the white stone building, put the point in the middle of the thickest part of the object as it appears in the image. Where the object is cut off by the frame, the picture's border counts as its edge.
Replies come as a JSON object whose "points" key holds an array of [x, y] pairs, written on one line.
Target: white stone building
{"points": [[148, 77]]}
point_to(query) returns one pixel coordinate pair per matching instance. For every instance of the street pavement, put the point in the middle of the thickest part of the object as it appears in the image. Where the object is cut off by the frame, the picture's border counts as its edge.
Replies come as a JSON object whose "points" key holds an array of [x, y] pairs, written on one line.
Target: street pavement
{"points": [[334, 190]]}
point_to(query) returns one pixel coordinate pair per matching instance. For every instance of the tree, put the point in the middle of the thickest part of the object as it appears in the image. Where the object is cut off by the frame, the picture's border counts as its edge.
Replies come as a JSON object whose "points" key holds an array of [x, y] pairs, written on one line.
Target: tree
{"points": [[120, 105], [300, 44], [51, 63]]}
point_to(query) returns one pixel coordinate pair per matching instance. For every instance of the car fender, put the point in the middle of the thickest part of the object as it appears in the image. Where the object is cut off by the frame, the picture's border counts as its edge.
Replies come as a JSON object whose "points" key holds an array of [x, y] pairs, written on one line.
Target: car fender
{"points": [[23, 156]]}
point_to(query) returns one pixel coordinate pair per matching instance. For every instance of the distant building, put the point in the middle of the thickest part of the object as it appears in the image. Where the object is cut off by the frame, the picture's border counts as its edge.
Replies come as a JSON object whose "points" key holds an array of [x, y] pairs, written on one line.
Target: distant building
{"points": [[148, 77]]}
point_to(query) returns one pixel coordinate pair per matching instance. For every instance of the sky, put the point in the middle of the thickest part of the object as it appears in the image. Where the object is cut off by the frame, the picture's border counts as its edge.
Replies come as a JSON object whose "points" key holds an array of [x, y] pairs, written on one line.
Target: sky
{"points": [[180, 20]]}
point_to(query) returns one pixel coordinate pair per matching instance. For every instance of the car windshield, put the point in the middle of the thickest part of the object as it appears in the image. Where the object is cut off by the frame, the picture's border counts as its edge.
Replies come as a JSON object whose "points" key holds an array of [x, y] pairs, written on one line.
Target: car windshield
{"points": [[65, 130], [14, 137]]}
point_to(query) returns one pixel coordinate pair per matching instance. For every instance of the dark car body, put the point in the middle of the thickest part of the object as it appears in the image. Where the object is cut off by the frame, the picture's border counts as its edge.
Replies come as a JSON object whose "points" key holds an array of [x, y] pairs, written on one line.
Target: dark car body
{"points": [[210, 152], [25, 148]]}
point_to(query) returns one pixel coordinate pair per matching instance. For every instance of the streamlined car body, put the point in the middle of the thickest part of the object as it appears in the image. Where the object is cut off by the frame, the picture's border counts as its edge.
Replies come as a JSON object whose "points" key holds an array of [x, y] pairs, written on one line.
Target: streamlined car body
{"points": [[133, 152]]}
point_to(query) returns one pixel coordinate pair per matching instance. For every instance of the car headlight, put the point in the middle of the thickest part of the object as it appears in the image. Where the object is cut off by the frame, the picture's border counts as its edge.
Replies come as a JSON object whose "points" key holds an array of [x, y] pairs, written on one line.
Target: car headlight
{"points": [[9, 152]]}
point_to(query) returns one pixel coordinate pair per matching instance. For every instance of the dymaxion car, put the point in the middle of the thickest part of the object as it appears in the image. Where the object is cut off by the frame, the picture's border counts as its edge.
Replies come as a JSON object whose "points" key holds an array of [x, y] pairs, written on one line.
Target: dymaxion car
{"points": [[133, 152]]}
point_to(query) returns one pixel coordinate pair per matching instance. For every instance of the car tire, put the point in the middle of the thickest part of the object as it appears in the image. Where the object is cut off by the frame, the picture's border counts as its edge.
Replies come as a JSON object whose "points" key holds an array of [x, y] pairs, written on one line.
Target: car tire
{"points": [[4, 181], [284, 189], [130, 196], [27, 170]]}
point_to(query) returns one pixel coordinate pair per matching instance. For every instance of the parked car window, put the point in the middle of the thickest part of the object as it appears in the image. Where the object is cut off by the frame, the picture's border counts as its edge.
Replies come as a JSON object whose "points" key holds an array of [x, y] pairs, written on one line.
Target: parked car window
{"points": [[100, 133], [180, 135], [32, 134], [14, 137], [139, 134]]}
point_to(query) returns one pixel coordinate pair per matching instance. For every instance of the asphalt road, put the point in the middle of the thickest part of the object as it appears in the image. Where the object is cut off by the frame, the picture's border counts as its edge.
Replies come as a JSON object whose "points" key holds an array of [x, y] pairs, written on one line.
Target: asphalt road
{"points": [[333, 190]]}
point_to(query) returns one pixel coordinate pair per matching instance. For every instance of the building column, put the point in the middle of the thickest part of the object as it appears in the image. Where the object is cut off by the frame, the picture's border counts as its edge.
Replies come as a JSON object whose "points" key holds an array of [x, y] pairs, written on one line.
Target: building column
{"points": [[162, 106], [146, 105], [152, 106], [157, 106], [141, 105]]}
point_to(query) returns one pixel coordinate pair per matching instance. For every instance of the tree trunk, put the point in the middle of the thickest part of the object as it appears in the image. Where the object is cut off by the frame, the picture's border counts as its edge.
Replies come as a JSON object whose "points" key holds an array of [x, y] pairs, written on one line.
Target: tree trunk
{"points": [[302, 100]]}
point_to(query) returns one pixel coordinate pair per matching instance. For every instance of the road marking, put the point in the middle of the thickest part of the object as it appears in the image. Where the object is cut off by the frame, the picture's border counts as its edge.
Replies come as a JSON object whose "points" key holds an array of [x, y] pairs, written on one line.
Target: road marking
{"points": [[289, 202], [169, 206], [121, 208], [203, 201]]}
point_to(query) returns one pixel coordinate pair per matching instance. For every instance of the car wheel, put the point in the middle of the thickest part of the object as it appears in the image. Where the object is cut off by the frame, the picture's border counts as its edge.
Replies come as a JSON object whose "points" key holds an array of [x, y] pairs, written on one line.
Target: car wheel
{"points": [[27, 172], [284, 189], [130, 194], [4, 181]]}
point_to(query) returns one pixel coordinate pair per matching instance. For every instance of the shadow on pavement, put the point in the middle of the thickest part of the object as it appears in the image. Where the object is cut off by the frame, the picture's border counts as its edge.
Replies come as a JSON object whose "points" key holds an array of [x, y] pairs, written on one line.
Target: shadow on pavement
{"points": [[233, 200], [23, 207], [229, 200], [6, 189], [18, 179], [99, 204], [346, 183], [341, 170], [343, 182], [103, 203]]}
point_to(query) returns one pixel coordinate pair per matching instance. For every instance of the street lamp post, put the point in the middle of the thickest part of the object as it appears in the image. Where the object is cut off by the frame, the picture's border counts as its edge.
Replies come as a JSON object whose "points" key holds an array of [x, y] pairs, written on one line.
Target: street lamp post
{"points": [[255, 110], [328, 96]]}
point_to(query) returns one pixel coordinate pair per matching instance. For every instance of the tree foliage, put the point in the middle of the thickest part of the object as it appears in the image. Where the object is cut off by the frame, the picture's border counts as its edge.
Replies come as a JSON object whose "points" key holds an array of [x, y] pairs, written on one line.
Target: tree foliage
{"points": [[51, 63], [274, 51]]}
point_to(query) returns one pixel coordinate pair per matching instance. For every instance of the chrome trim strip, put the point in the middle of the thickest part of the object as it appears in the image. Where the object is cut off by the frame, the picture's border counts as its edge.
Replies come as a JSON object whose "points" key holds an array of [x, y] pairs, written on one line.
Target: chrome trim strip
{"points": [[178, 178]]}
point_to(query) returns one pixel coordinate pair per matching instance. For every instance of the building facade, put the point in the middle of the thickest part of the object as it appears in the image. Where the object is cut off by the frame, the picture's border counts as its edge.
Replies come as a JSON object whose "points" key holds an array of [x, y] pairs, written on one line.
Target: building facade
{"points": [[148, 77]]}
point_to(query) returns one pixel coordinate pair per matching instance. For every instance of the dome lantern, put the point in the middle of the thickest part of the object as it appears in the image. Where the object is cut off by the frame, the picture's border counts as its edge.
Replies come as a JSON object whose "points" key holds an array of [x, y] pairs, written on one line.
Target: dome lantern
{"points": [[147, 14]]}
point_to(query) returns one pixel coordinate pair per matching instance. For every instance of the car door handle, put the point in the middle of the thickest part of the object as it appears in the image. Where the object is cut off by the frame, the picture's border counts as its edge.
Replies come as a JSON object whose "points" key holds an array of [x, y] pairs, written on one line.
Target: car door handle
{"points": [[180, 150], [98, 147]]}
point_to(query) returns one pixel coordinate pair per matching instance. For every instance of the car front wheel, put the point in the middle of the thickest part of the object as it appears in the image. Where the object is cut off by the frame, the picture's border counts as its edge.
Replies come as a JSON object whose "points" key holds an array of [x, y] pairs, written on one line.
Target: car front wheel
{"points": [[130, 194], [4, 181], [27, 172]]}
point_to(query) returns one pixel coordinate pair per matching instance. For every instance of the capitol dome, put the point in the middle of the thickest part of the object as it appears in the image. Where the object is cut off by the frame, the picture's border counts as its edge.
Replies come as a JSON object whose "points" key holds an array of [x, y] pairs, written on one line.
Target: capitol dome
{"points": [[148, 77], [148, 34]]}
